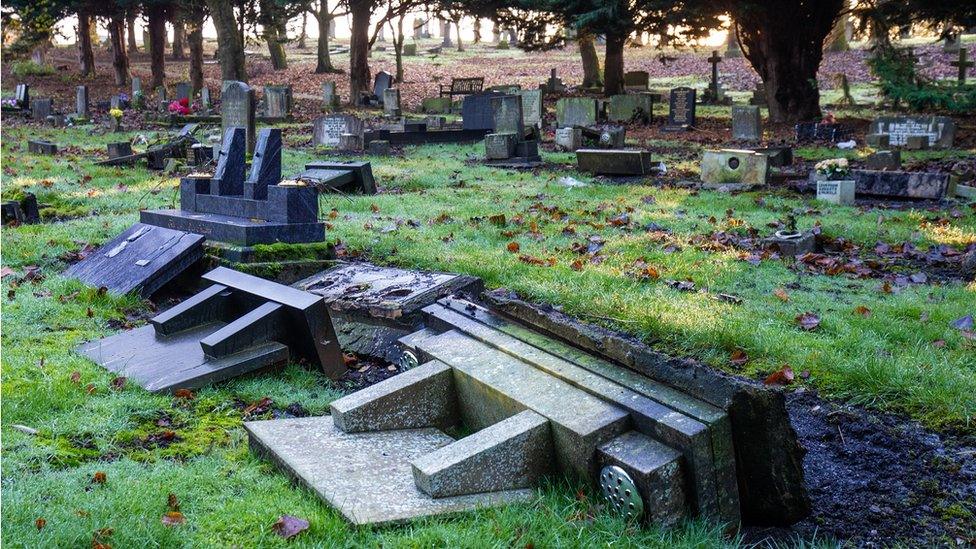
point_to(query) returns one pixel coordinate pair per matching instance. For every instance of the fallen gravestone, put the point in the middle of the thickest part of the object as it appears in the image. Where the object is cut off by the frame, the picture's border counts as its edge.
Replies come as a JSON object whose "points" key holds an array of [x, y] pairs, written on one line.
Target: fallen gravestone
{"points": [[681, 110], [576, 111], [746, 123], [898, 184], [345, 177], [936, 131], [732, 168], [239, 212], [239, 324], [21, 212], [884, 160], [616, 162], [675, 453], [157, 155], [120, 149], [141, 260]]}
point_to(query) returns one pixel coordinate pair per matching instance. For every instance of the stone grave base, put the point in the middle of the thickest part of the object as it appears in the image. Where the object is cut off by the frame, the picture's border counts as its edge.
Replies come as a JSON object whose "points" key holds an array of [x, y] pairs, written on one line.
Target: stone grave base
{"points": [[397, 139], [368, 477], [267, 262], [235, 230]]}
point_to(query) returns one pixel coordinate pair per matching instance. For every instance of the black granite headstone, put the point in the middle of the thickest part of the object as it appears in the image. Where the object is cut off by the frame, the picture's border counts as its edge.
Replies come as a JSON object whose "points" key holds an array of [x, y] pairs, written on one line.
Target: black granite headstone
{"points": [[142, 259], [228, 179], [22, 96], [381, 82], [239, 324], [118, 150], [476, 111], [681, 109], [39, 146], [265, 166]]}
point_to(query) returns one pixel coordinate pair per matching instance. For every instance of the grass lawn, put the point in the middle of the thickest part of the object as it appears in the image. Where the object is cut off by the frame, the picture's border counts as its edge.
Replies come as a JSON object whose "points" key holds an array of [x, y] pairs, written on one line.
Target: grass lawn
{"points": [[904, 356]]}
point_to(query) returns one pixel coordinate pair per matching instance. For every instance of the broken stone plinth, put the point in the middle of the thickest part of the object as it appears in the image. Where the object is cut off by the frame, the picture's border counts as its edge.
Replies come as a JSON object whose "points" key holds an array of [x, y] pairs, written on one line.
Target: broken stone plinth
{"points": [[239, 324], [372, 306], [901, 184], [346, 177], [616, 162], [792, 244], [500, 146], [536, 406], [734, 168], [39, 146]]}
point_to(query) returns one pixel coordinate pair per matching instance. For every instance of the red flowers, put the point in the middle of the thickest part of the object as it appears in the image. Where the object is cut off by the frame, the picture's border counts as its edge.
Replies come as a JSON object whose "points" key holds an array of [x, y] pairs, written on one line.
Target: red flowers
{"points": [[181, 107]]}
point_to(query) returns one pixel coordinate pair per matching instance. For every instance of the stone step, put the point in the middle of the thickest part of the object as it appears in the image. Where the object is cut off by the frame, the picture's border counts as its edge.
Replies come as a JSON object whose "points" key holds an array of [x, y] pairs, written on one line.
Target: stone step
{"points": [[421, 397], [492, 386], [707, 444], [511, 454]]}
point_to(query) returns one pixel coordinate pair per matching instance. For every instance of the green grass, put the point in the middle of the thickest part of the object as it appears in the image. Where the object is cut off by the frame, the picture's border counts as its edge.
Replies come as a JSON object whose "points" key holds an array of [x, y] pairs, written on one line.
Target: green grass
{"points": [[231, 498]]}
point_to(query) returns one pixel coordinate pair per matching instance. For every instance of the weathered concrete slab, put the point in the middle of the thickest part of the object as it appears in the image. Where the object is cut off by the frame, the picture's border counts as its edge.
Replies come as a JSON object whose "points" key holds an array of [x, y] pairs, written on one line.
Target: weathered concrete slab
{"points": [[901, 184], [734, 167], [366, 476], [422, 397], [511, 454], [655, 469]]}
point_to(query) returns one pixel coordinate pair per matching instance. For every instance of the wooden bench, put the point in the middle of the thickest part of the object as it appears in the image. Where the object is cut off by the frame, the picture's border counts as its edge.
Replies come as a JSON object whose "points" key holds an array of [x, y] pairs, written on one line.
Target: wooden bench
{"points": [[463, 86]]}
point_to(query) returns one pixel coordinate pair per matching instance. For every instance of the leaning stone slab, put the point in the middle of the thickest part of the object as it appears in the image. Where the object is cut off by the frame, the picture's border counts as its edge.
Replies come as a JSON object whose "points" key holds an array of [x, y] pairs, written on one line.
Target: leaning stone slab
{"points": [[511, 454], [901, 184], [366, 476]]}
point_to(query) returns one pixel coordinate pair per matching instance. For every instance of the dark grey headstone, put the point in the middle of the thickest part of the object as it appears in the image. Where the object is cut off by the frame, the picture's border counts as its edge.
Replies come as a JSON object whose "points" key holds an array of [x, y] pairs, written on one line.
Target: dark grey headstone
{"points": [[118, 150], [81, 101], [266, 164], [476, 112], [39, 146], [22, 96], [142, 259], [228, 178], [277, 101], [381, 82], [940, 130], [183, 91], [746, 123], [237, 110], [681, 108], [615, 162], [901, 184], [41, 108]]}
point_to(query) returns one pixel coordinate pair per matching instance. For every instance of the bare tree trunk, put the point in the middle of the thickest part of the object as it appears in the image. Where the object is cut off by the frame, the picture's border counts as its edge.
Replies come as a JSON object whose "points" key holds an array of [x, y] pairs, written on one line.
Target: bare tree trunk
{"points": [[398, 40], [359, 49], [613, 75], [157, 38], [120, 58], [269, 19], [323, 59], [130, 25], [230, 52], [86, 57], [457, 25], [591, 61], [785, 46], [194, 39], [302, 36], [179, 38]]}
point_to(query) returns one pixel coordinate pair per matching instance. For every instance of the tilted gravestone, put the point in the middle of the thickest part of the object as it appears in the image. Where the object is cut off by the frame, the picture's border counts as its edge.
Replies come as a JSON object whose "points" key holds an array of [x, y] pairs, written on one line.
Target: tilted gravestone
{"points": [[381, 82], [346, 177], [243, 213], [327, 130], [391, 101], [238, 324], [576, 111], [140, 260], [746, 123], [277, 102], [681, 109], [533, 109], [939, 131], [730, 167], [237, 110]]}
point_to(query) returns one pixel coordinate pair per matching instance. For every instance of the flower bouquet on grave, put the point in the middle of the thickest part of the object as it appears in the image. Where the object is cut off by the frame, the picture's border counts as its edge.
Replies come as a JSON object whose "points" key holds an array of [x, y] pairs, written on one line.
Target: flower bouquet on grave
{"points": [[834, 169], [115, 119], [181, 107]]}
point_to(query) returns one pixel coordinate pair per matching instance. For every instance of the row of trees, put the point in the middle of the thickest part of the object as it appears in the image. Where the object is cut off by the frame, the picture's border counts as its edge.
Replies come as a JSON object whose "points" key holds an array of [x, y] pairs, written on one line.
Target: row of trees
{"points": [[783, 40]]}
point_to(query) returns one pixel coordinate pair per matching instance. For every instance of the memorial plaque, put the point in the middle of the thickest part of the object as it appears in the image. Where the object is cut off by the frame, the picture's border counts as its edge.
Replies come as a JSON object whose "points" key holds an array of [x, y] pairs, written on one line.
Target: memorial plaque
{"points": [[939, 130], [836, 192], [142, 259], [237, 110], [327, 130], [681, 109]]}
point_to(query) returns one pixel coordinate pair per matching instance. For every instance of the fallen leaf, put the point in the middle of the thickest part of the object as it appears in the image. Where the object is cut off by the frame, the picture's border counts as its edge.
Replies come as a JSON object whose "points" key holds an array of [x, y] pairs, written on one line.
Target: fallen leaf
{"points": [[99, 478], [862, 311], [783, 376], [513, 247], [172, 503], [183, 394], [40, 523], [374, 208], [118, 383], [781, 294], [75, 377], [808, 321], [173, 518], [739, 357], [289, 526]]}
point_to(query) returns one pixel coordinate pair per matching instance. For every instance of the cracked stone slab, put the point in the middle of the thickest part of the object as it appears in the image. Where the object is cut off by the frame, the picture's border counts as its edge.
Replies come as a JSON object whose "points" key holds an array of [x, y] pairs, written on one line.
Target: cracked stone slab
{"points": [[366, 476]]}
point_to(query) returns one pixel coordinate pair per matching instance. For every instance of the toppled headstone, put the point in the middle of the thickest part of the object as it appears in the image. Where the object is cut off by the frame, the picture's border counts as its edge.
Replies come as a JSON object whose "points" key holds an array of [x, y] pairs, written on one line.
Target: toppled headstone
{"points": [[40, 146], [352, 177], [731, 168], [142, 259], [616, 162], [821, 131], [22, 212], [237, 325], [379, 148], [120, 149]]}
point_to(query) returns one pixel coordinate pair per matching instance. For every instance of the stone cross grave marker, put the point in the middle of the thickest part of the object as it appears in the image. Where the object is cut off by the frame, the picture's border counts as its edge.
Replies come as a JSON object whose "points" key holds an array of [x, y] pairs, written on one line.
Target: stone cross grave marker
{"points": [[183, 91], [81, 101], [963, 64], [238, 324], [746, 123], [327, 130], [576, 111], [714, 85], [237, 110], [681, 109]]}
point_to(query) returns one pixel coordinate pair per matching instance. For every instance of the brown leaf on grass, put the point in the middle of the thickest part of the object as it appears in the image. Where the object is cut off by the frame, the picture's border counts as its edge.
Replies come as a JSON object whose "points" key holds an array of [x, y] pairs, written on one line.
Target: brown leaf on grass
{"points": [[89, 313], [939, 343], [99, 478], [172, 502], [99, 538], [513, 247], [497, 219], [783, 376], [738, 358], [862, 311], [333, 213], [183, 394], [75, 377], [809, 321], [90, 388], [258, 407], [173, 518], [41, 522], [374, 208], [288, 526], [118, 383], [781, 294], [576, 265], [349, 359]]}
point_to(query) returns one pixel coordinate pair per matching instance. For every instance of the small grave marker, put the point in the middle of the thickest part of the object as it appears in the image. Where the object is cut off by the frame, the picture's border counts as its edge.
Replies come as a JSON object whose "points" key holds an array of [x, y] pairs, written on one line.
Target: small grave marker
{"points": [[391, 102], [81, 102], [836, 192], [41, 108], [277, 102], [731, 168], [637, 81]]}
